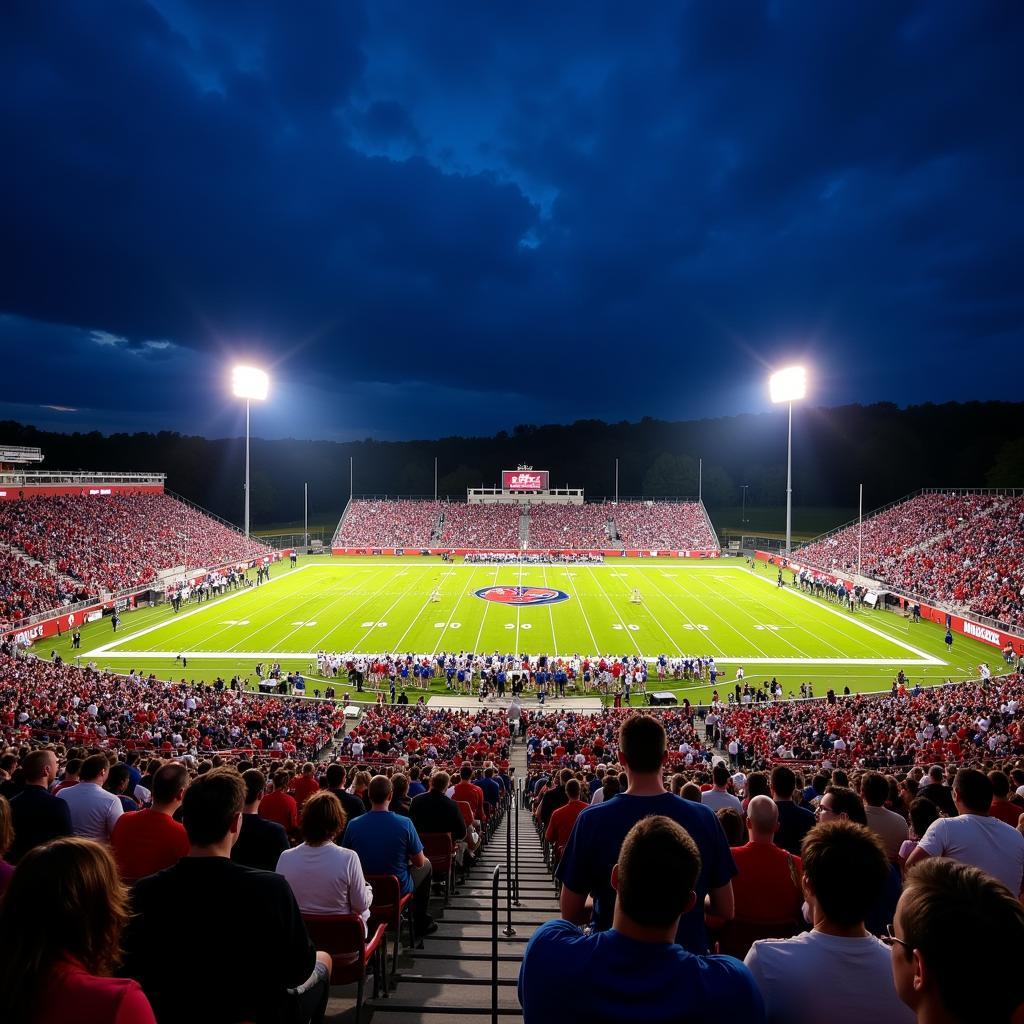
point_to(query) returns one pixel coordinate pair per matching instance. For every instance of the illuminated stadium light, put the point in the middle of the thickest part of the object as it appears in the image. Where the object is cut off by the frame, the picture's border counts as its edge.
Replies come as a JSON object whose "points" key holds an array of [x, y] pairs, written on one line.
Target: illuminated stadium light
{"points": [[789, 385], [249, 383]]}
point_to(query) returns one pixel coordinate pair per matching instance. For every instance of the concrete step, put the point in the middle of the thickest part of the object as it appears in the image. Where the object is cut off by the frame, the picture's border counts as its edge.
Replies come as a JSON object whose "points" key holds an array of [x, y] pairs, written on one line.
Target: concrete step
{"points": [[462, 930], [428, 996], [409, 1015], [526, 914], [454, 971]]}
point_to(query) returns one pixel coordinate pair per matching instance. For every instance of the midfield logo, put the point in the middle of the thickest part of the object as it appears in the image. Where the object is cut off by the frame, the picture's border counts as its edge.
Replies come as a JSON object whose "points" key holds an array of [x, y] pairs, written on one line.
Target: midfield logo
{"points": [[522, 595]]}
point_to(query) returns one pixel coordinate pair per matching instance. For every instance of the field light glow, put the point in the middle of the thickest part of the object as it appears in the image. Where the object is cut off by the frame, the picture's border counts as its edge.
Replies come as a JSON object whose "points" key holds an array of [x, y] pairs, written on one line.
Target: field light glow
{"points": [[249, 382], [788, 385]]}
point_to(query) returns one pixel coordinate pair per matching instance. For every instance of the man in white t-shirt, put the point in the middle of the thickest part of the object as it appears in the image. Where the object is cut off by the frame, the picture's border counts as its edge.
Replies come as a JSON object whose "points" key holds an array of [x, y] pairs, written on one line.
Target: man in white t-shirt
{"points": [[973, 837], [94, 811], [837, 972]]}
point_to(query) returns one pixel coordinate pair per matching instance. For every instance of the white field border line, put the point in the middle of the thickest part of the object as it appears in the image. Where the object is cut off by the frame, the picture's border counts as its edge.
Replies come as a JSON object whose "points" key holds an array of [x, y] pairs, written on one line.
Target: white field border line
{"points": [[785, 618], [676, 564], [654, 618], [625, 628], [571, 577], [706, 636], [487, 608], [707, 607], [330, 604], [140, 656], [455, 608], [927, 659], [551, 615], [106, 648]]}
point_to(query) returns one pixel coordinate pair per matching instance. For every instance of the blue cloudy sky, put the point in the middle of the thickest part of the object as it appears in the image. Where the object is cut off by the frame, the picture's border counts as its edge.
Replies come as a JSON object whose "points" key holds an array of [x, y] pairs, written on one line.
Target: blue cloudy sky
{"points": [[432, 218]]}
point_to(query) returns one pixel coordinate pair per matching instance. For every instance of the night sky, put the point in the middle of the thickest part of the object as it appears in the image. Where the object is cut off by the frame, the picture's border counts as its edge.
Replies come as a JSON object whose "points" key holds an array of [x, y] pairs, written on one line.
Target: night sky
{"points": [[438, 218]]}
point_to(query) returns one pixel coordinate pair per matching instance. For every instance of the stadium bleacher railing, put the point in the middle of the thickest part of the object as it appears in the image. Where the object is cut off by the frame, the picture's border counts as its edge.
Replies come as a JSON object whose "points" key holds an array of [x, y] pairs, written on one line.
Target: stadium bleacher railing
{"points": [[67, 478]]}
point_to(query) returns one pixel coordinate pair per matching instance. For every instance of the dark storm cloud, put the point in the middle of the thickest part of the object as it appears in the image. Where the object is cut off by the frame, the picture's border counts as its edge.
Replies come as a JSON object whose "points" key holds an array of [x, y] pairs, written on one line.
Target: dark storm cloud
{"points": [[470, 204]]}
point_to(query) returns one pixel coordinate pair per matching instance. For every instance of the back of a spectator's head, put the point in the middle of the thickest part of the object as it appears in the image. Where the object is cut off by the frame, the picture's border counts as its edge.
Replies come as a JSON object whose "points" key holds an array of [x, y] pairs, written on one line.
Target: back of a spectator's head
{"points": [[819, 781], [874, 787], [564, 776], [691, 792], [255, 785], [281, 779], [783, 782], [572, 789], [118, 778], [840, 778], [1000, 784], [307, 768], [844, 801], [66, 900], [732, 825], [763, 815], [922, 813], [677, 782], [720, 775], [37, 764], [973, 789], [335, 776], [439, 782], [937, 773], [93, 768], [399, 785], [757, 785], [963, 932], [323, 817], [211, 806], [168, 782], [642, 744], [379, 790], [612, 786], [656, 872], [466, 772], [845, 868]]}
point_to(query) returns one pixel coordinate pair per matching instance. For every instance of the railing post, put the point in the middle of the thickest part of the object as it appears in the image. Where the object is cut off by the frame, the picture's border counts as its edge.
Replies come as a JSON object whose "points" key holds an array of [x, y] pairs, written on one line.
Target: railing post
{"points": [[494, 944], [516, 880], [509, 930]]}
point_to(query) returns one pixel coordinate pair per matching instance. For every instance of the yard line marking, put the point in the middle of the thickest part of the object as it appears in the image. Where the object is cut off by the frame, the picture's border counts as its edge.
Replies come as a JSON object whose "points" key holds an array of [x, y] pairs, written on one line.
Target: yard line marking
{"points": [[928, 659], [387, 611], [707, 607], [551, 615], [187, 615], [687, 617], [455, 608], [629, 632], [483, 618], [652, 616], [572, 583]]}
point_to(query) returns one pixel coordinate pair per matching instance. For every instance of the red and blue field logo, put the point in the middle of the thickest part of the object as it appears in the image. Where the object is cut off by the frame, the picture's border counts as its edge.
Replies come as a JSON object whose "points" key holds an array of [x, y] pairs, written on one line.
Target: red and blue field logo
{"points": [[520, 596]]}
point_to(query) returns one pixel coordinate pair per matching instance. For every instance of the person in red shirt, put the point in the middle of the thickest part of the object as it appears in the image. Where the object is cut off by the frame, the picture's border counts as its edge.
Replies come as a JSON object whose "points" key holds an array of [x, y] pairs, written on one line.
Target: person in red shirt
{"points": [[279, 806], [562, 820], [767, 889], [305, 785], [1002, 807], [473, 795], [60, 939], [145, 842]]}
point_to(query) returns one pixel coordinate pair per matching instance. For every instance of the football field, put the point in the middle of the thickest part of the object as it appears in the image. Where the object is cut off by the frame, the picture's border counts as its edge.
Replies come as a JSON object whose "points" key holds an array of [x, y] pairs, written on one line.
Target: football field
{"points": [[644, 607]]}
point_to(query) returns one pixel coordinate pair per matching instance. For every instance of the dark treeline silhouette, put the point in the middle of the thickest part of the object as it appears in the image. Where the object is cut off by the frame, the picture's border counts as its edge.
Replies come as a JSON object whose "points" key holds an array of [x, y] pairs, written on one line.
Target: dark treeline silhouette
{"points": [[892, 451]]}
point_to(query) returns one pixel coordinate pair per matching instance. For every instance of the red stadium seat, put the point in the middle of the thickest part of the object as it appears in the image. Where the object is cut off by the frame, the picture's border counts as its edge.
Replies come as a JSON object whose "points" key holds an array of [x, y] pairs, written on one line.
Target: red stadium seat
{"points": [[351, 952]]}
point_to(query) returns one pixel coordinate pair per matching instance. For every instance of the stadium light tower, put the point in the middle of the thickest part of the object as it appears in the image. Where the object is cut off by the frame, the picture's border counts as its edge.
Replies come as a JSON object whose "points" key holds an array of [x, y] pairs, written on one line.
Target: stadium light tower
{"points": [[249, 383], [789, 385]]}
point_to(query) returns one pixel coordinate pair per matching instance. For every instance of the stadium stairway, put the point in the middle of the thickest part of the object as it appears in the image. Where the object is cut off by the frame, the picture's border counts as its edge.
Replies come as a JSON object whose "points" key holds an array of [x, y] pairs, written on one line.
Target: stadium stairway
{"points": [[524, 528], [449, 979]]}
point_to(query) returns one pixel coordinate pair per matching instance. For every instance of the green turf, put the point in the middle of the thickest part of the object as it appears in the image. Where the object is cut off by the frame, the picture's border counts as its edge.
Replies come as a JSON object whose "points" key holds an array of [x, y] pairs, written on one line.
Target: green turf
{"points": [[370, 606]]}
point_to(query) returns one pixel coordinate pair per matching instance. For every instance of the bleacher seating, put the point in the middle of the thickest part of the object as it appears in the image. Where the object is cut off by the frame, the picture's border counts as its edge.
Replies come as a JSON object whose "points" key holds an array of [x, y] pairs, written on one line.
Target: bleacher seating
{"points": [[480, 526], [965, 550], [658, 525], [575, 527], [120, 541], [385, 524], [27, 588]]}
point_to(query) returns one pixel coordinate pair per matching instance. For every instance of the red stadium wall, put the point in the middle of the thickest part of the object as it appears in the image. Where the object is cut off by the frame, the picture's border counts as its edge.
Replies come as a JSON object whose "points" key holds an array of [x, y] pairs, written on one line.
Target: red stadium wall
{"points": [[17, 493], [957, 623], [62, 622], [607, 552]]}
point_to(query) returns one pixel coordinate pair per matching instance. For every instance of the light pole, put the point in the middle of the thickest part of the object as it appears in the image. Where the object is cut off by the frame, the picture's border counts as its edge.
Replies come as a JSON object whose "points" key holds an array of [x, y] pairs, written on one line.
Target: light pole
{"points": [[248, 382], [789, 385], [743, 516]]}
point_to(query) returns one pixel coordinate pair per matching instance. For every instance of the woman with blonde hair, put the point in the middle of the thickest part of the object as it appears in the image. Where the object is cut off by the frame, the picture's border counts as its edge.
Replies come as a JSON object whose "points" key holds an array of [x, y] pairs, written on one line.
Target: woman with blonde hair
{"points": [[60, 939]]}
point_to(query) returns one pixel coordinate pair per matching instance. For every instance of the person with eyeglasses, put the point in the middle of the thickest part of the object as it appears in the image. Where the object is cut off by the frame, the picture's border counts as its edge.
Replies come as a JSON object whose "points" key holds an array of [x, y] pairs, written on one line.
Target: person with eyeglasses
{"points": [[940, 976], [838, 971]]}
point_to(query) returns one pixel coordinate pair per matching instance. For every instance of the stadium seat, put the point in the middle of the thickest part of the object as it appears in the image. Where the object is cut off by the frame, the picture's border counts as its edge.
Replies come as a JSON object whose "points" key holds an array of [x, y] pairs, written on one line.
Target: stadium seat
{"points": [[440, 851], [351, 952], [389, 908]]}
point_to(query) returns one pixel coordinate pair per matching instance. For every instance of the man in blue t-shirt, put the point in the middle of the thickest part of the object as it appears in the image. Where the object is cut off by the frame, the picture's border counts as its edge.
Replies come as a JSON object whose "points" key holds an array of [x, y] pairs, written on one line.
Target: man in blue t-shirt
{"points": [[593, 848], [635, 971], [387, 844]]}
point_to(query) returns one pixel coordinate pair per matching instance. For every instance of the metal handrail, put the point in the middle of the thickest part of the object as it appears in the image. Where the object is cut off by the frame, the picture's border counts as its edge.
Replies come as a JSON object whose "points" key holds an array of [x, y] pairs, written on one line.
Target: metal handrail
{"points": [[515, 806], [494, 943], [509, 931]]}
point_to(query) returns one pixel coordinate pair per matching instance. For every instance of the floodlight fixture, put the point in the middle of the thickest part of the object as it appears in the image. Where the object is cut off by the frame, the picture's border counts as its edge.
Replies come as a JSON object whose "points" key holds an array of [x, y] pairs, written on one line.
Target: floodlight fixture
{"points": [[788, 385], [249, 382]]}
